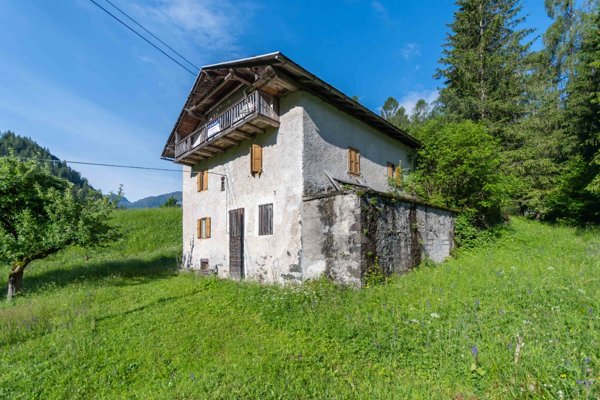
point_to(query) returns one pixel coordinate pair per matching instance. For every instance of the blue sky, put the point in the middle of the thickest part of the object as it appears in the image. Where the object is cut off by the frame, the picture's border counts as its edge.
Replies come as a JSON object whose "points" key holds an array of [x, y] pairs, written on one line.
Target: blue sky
{"points": [[79, 83]]}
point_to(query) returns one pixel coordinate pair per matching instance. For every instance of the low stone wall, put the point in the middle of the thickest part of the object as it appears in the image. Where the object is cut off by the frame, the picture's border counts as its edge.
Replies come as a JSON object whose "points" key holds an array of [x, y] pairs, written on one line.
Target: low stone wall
{"points": [[345, 233]]}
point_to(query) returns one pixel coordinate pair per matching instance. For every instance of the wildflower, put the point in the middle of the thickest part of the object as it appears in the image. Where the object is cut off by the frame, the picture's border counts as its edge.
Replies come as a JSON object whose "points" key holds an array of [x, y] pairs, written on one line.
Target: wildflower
{"points": [[563, 376], [474, 351], [435, 315]]}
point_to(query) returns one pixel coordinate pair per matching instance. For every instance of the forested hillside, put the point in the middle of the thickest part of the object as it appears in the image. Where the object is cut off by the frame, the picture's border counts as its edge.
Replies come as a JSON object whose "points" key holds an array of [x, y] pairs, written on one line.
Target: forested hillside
{"points": [[26, 148], [514, 130]]}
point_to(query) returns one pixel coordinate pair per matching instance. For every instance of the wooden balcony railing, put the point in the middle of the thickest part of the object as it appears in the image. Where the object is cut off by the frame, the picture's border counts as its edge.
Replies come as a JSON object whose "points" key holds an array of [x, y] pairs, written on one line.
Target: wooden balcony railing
{"points": [[248, 108]]}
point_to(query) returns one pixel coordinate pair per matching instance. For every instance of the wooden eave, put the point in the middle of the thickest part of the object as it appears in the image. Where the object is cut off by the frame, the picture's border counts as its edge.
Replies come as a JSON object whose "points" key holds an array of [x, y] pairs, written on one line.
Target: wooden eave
{"points": [[275, 74]]}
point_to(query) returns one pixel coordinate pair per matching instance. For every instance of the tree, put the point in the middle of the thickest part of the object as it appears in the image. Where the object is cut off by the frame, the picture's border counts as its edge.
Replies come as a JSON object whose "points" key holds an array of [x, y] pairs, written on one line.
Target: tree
{"points": [[420, 112], [459, 167], [170, 202], [577, 197], [541, 146], [25, 148], [483, 64], [41, 214], [393, 112]]}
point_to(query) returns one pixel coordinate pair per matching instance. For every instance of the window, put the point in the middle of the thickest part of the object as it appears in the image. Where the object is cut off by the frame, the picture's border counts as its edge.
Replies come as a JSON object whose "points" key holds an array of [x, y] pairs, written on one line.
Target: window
{"points": [[256, 161], [202, 180], [222, 184], [353, 161], [203, 228], [265, 219], [391, 170]]}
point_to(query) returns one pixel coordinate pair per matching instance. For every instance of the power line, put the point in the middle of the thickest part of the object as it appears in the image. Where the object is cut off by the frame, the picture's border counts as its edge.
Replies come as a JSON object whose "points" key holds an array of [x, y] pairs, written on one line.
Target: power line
{"points": [[98, 164], [144, 38], [152, 34]]}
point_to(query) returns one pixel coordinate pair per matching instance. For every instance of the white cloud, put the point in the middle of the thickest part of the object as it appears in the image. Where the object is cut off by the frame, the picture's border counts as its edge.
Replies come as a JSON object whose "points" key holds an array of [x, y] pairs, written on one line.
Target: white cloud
{"points": [[409, 100], [410, 51], [210, 25], [377, 6]]}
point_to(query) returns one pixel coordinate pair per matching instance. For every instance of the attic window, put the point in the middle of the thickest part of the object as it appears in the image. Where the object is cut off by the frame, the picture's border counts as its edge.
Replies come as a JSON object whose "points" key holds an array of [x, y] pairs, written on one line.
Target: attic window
{"points": [[203, 228], [202, 181], [256, 159], [353, 161]]}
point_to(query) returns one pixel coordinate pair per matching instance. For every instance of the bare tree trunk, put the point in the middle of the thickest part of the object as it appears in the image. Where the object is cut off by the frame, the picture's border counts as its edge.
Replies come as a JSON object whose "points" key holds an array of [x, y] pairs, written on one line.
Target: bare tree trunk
{"points": [[15, 282]]}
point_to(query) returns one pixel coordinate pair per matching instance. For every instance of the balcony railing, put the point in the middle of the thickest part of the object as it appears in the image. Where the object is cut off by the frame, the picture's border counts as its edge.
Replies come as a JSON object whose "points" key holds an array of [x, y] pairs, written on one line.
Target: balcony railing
{"points": [[245, 110]]}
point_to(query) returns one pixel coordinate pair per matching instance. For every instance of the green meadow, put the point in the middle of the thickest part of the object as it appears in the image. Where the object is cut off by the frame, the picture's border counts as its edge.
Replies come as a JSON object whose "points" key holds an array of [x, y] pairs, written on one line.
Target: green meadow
{"points": [[519, 318]]}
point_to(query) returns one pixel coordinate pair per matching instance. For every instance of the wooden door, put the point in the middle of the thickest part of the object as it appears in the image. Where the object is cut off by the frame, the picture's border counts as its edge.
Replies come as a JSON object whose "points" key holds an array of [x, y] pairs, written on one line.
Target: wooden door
{"points": [[236, 243]]}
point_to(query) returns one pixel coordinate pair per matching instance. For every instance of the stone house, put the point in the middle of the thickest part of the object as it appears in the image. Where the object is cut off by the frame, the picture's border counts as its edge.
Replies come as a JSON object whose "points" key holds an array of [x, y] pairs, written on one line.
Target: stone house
{"points": [[284, 175]]}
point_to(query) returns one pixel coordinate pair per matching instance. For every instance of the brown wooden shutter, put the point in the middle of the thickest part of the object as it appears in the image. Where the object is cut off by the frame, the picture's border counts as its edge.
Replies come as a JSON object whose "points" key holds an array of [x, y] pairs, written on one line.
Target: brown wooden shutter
{"points": [[256, 159], [353, 161], [204, 180], [390, 170], [207, 227], [198, 228], [199, 181]]}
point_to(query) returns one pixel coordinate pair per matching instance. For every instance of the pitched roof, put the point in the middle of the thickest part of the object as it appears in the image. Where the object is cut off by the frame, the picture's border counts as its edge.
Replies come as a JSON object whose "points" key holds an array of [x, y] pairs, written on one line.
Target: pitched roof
{"points": [[216, 79]]}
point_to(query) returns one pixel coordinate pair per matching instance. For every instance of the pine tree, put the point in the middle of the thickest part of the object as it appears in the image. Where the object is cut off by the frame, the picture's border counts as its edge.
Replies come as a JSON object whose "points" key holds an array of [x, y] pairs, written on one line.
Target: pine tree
{"points": [[484, 63], [577, 198]]}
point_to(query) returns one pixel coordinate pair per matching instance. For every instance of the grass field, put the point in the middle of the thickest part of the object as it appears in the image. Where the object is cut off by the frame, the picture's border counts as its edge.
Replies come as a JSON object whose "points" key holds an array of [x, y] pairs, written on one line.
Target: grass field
{"points": [[518, 319]]}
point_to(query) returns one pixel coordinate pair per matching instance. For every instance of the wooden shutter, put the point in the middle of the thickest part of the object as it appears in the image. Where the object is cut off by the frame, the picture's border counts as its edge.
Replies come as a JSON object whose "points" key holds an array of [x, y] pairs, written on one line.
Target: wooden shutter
{"points": [[204, 180], [207, 227], [353, 161], [390, 170], [198, 228], [256, 159]]}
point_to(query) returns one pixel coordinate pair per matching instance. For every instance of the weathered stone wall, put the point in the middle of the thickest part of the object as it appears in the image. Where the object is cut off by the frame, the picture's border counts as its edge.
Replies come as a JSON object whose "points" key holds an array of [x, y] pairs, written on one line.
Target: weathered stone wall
{"points": [[402, 233], [344, 232], [331, 239]]}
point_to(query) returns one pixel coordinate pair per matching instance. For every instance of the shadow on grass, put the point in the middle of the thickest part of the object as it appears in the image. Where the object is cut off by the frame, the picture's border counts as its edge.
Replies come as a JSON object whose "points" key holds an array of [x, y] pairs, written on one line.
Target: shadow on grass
{"points": [[135, 271]]}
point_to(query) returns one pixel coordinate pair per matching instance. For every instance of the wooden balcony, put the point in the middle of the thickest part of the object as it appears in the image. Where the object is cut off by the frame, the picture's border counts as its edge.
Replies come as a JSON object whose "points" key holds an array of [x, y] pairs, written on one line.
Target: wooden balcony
{"points": [[245, 119]]}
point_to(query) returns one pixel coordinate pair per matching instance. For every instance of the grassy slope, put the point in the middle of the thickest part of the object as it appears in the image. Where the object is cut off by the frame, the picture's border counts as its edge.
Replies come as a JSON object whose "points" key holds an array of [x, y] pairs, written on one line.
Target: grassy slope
{"points": [[123, 324]]}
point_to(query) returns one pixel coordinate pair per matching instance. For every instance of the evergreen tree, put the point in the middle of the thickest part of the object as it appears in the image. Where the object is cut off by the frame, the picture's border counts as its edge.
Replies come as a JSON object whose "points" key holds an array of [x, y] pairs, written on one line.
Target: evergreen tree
{"points": [[484, 63], [543, 146], [577, 197]]}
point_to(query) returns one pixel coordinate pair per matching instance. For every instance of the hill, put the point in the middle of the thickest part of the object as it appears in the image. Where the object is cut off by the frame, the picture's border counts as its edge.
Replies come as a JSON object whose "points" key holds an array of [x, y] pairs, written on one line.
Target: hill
{"points": [[516, 319], [20, 146], [151, 201]]}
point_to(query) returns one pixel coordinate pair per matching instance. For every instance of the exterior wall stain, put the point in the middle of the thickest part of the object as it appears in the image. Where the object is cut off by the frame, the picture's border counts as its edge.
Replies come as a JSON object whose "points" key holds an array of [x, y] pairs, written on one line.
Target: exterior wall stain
{"points": [[354, 229]]}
